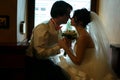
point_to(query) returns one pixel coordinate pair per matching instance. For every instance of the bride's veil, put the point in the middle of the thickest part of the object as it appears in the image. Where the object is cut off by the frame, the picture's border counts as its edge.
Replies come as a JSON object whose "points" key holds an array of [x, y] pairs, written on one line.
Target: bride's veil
{"points": [[99, 37]]}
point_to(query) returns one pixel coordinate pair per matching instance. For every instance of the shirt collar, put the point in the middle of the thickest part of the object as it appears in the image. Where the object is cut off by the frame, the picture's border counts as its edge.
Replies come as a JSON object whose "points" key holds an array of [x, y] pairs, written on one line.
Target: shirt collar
{"points": [[57, 27]]}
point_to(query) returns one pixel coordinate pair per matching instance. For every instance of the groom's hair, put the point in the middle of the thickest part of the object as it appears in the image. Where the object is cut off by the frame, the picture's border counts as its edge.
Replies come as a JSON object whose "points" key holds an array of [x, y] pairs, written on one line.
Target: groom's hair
{"points": [[60, 8]]}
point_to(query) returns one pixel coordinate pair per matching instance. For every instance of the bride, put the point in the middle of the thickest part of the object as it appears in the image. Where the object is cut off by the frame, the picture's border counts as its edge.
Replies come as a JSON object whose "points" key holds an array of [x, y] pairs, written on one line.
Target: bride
{"points": [[89, 59]]}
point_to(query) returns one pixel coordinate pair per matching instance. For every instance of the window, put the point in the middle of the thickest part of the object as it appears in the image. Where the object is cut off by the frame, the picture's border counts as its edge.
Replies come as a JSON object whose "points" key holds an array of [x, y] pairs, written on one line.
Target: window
{"points": [[34, 8], [43, 7]]}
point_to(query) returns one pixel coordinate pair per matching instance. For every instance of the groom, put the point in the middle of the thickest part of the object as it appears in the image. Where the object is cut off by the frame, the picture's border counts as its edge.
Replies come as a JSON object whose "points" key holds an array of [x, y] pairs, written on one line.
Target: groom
{"points": [[44, 45]]}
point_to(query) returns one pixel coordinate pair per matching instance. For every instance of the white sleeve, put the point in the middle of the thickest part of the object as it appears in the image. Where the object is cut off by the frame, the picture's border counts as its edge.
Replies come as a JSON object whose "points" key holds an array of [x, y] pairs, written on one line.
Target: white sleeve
{"points": [[41, 36]]}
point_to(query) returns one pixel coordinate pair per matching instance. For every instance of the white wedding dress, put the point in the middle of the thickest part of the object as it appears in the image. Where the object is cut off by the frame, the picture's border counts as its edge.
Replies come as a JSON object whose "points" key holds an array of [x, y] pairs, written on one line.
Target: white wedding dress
{"points": [[91, 68], [95, 65]]}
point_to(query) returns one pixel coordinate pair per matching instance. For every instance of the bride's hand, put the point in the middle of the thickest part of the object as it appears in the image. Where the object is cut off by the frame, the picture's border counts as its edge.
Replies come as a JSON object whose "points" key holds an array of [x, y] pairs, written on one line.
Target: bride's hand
{"points": [[68, 41]]}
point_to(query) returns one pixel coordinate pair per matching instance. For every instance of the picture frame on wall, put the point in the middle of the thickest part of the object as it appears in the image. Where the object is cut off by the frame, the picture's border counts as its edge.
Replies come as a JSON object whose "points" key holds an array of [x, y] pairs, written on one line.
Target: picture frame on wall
{"points": [[4, 21]]}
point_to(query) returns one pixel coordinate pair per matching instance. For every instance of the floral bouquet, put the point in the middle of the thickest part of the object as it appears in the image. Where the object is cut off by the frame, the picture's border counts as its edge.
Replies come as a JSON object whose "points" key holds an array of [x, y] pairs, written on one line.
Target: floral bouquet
{"points": [[71, 35]]}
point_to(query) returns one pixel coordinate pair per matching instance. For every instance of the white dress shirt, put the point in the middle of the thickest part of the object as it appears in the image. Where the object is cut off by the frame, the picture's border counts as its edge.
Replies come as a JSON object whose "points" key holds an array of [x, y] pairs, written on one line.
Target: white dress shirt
{"points": [[44, 40]]}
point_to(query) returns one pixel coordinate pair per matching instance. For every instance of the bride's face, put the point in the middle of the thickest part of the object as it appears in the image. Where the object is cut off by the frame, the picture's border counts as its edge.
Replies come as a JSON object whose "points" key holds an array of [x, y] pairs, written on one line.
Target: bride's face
{"points": [[72, 21]]}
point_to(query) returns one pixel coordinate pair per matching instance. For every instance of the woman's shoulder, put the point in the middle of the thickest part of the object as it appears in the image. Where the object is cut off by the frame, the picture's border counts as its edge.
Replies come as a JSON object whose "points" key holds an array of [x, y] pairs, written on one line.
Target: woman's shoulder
{"points": [[92, 50], [86, 40]]}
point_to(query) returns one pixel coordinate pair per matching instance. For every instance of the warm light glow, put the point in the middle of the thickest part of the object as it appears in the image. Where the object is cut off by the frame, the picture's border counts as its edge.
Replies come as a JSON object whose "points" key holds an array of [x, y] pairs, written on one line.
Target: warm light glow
{"points": [[42, 8]]}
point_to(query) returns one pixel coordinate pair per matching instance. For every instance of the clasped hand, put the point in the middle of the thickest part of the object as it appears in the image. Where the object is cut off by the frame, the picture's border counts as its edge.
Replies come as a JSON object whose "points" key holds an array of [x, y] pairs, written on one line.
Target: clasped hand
{"points": [[64, 43]]}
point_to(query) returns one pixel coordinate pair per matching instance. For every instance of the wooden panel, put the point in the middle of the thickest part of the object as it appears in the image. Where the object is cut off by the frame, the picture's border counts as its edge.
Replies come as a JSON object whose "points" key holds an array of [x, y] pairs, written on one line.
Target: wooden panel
{"points": [[116, 58], [12, 63]]}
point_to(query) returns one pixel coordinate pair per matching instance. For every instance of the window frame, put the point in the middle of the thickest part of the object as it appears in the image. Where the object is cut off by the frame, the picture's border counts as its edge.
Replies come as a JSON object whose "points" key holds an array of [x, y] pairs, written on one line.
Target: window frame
{"points": [[30, 14]]}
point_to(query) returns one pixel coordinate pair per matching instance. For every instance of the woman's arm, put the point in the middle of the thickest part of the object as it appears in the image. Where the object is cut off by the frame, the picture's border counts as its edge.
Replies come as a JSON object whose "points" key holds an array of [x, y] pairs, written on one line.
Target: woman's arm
{"points": [[80, 49]]}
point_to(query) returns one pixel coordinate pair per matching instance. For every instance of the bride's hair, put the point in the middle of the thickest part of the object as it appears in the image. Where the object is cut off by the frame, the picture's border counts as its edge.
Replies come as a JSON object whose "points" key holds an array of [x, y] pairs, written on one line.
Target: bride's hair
{"points": [[82, 15]]}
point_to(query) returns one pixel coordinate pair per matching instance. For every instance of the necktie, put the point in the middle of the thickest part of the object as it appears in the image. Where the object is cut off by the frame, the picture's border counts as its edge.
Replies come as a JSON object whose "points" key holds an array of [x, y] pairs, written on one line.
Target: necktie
{"points": [[58, 27]]}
